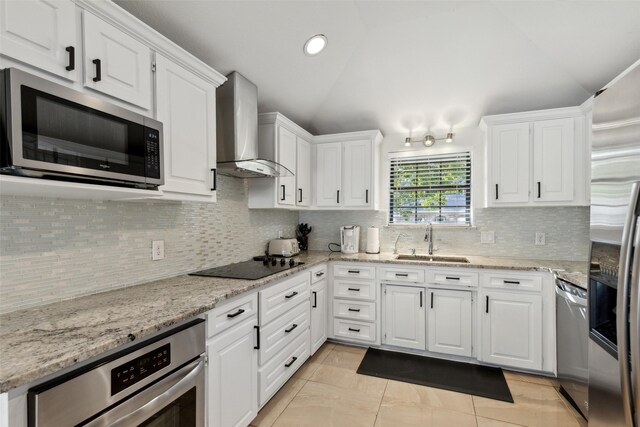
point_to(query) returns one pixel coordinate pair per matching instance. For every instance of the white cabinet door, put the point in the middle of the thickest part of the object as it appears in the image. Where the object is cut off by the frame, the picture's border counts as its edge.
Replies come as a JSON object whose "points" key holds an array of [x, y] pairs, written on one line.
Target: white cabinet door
{"points": [[186, 107], [115, 63], [509, 164], [357, 178], [553, 155], [303, 173], [318, 315], [286, 152], [512, 329], [42, 34], [232, 378], [328, 174], [405, 319], [449, 321]]}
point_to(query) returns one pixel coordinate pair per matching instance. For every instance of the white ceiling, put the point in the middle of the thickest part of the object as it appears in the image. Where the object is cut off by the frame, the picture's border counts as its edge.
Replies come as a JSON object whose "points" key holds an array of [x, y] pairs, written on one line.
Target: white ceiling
{"points": [[406, 66]]}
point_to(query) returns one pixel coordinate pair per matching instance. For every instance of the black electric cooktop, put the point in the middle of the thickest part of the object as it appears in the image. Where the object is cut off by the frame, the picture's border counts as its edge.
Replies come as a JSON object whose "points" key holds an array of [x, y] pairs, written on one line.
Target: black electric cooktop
{"points": [[250, 270]]}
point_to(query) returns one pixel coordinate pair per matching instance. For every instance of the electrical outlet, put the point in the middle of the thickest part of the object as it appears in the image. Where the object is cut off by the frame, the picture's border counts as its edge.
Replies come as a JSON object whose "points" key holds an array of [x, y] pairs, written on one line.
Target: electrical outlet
{"points": [[540, 239], [157, 250], [487, 237]]}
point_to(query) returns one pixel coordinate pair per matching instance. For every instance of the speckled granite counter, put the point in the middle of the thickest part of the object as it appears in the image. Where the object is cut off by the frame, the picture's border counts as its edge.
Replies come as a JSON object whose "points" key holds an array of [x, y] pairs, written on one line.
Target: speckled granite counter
{"points": [[40, 341]]}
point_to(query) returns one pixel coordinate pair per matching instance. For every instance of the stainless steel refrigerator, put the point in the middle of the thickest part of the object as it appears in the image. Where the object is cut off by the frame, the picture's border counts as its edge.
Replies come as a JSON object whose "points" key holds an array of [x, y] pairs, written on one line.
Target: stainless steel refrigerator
{"points": [[613, 294]]}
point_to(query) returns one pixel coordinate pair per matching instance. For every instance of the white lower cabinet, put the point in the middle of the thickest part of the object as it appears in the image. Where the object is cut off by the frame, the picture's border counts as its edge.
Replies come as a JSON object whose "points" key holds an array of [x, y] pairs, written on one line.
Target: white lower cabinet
{"points": [[319, 311], [450, 322], [404, 317], [511, 332]]}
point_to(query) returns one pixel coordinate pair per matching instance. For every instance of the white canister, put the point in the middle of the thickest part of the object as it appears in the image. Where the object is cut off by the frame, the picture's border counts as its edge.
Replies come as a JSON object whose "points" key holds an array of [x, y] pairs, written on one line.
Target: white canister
{"points": [[373, 240]]}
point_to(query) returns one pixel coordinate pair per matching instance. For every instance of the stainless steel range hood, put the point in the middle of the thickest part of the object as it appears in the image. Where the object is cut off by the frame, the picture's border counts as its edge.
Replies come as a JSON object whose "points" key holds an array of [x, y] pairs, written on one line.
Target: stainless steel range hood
{"points": [[237, 132]]}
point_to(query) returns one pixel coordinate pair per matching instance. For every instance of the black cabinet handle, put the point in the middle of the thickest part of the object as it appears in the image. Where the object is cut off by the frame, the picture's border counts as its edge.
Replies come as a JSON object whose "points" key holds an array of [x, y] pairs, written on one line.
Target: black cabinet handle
{"points": [[451, 278], [214, 185], [291, 328], [291, 295], [315, 299], [98, 65], [496, 191], [431, 299], [257, 328], [354, 289], [72, 58], [353, 271], [486, 307], [511, 282], [320, 274], [366, 196], [354, 330], [300, 195], [357, 310], [293, 359], [538, 189], [283, 191], [337, 196], [402, 275], [420, 299], [237, 313]]}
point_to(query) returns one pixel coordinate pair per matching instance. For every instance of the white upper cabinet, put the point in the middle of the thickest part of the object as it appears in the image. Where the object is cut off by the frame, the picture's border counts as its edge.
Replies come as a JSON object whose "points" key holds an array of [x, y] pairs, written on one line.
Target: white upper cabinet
{"points": [[404, 317], [510, 159], [357, 177], [115, 63], [186, 107], [42, 34], [538, 158], [286, 143], [328, 174], [303, 173], [553, 160]]}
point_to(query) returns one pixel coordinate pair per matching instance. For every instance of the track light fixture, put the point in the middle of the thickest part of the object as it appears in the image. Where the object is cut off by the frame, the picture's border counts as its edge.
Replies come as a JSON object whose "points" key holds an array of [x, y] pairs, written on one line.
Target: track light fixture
{"points": [[428, 140]]}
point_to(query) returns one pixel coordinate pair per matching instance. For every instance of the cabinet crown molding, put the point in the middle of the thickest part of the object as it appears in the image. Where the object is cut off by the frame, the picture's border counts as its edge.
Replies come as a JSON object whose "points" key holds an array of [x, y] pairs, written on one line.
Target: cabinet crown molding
{"points": [[129, 24], [530, 116], [374, 135], [282, 120]]}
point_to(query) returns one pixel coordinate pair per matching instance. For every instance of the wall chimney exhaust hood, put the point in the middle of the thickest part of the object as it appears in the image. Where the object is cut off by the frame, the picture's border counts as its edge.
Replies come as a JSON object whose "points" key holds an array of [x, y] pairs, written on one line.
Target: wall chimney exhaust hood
{"points": [[237, 132]]}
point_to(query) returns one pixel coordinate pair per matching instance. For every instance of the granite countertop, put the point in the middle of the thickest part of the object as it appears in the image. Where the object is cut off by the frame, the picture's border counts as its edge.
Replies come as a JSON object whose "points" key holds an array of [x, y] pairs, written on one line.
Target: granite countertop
{"points": [[40, 341]]}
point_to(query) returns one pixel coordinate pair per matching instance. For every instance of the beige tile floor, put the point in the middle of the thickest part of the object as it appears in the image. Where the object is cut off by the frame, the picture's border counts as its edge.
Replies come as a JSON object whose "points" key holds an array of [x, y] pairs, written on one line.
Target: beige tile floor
{"points": [[326, 391]]}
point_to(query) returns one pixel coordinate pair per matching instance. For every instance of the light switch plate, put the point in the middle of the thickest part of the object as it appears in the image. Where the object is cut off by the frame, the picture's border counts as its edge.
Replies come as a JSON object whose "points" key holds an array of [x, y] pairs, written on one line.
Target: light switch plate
{"points": [[487, 237], [157, 250], [540, 239]]}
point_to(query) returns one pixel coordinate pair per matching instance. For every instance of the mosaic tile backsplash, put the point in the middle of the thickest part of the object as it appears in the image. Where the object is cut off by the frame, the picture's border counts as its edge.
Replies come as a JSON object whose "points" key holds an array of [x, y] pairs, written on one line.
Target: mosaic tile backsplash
{"points": [[54, 249], [566, 229]]}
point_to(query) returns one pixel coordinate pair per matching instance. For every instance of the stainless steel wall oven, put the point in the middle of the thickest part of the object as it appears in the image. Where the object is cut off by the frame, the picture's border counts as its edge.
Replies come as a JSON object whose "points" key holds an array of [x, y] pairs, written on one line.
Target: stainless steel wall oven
{"points": [[158, 383]]}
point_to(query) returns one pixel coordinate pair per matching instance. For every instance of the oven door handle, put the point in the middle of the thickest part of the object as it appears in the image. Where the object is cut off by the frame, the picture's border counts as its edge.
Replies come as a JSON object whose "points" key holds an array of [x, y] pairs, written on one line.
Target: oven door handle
{"points": [[186, 377]]}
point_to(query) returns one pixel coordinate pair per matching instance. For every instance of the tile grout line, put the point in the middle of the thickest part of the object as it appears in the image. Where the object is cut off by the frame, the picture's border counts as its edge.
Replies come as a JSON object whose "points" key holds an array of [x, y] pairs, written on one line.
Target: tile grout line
{"points": [[289, 403], [380, 404]]}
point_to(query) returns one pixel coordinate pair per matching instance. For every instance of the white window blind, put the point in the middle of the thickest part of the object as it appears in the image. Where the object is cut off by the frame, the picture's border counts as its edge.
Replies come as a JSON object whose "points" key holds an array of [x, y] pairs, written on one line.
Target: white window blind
{"points": [[430, 188]]}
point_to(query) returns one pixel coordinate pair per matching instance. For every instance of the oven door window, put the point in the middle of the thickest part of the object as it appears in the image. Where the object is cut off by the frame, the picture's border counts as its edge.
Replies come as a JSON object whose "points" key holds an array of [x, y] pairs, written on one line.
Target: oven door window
{"points": [[58, 131], [180, 413]]}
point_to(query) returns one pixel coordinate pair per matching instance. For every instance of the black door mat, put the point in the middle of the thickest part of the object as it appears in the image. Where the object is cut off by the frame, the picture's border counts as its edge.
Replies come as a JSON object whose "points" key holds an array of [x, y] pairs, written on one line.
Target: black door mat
{"points": [[466, 378]]}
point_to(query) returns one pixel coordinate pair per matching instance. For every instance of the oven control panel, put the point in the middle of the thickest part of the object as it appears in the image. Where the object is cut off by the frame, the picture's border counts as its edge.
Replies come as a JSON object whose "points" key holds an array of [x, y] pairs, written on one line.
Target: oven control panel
{"points": [[141, 367]]}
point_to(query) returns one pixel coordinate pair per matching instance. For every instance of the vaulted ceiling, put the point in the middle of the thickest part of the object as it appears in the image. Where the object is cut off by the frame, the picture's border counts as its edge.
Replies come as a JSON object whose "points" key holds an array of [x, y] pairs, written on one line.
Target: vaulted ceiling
{"points": [[406, 66]]}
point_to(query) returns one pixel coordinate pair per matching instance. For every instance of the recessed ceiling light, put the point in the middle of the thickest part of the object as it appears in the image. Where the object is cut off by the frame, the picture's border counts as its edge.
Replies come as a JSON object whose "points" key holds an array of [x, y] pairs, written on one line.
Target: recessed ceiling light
{"points": [[315, 45]]}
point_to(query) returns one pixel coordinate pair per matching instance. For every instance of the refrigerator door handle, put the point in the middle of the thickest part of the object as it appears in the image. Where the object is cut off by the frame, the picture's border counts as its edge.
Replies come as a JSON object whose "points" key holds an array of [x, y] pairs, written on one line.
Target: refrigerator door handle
{"points": [[635, 325], [622, 320]]}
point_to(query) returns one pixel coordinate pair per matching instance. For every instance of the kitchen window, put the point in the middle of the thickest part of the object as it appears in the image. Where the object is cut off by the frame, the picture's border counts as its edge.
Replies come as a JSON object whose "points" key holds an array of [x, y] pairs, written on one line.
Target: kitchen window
{"points": [[430, 189]]}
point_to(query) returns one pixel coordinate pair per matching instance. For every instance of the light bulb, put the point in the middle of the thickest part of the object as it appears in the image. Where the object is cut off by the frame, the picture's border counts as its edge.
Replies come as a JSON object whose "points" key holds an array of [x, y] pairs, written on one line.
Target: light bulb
{"points": [[407, 142], [429, 141], [315, 45], [449, 137]]}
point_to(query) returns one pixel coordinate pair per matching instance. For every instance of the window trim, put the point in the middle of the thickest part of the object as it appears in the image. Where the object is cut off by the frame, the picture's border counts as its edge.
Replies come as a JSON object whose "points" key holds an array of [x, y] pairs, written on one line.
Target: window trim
{"points": [[395, 155]]}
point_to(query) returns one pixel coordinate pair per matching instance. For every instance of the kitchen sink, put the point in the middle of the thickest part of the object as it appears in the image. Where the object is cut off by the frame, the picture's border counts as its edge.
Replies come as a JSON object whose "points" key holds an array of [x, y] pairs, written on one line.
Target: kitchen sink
{"points": [[432, 258]]}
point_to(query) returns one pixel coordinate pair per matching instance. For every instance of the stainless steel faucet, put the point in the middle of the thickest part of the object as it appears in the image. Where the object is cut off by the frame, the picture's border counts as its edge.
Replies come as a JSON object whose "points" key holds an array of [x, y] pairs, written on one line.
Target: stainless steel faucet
{"points": [[428, 237], [395, 246]]}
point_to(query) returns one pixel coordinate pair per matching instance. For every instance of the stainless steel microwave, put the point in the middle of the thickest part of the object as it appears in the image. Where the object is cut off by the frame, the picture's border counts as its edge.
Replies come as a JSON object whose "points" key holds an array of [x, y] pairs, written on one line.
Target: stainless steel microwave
{"points": [[51, 131]]}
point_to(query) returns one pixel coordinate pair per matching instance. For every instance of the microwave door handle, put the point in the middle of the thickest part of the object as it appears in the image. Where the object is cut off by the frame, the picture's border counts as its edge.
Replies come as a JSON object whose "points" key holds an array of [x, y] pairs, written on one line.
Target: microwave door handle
{"points": [[622, 316], [133, 416], [635, 324]]}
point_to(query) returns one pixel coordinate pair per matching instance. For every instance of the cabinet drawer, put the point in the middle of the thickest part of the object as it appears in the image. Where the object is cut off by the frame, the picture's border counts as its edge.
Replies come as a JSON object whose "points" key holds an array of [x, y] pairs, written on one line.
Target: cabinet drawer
{"points": [[279, 369], [402, 274], [279, 333], [318, 273], [356, 289], [278, 299], [365, 311], [231, 313], [452, 277], [354, 271], [516, 280], [354, 330]]}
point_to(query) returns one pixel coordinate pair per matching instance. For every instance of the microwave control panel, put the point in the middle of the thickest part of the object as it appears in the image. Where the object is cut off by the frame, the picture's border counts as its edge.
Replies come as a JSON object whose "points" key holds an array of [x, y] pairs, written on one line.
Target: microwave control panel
{"points": [[152, 152], [141, 367]]}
